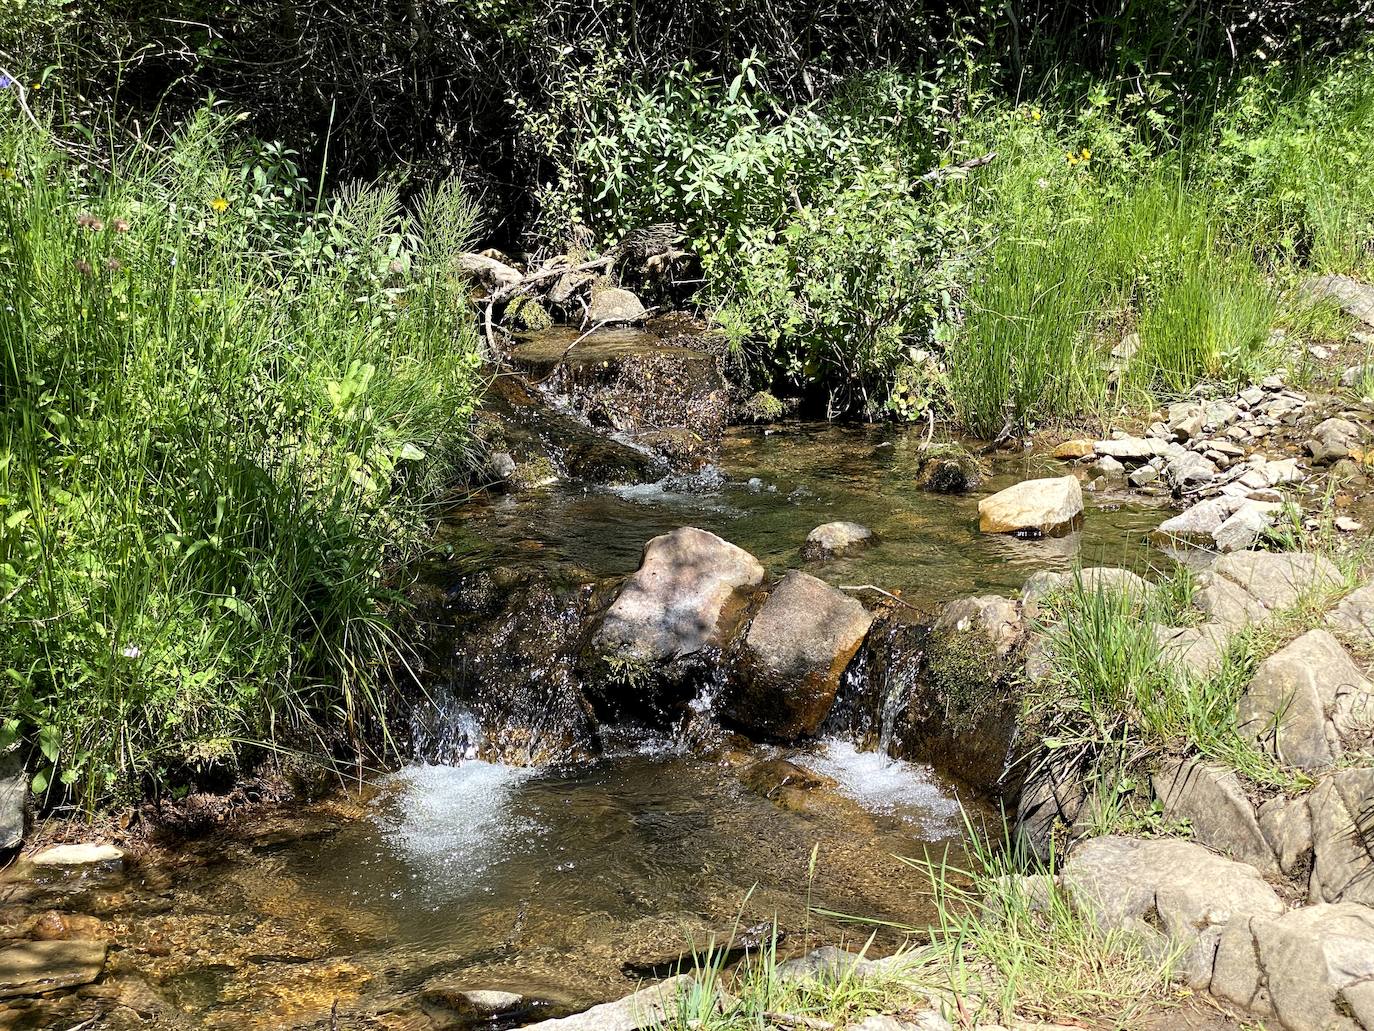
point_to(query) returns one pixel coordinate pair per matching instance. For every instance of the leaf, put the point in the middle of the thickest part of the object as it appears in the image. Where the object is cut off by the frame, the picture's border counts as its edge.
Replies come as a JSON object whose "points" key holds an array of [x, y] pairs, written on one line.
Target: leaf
{"points": [[410, 453]]}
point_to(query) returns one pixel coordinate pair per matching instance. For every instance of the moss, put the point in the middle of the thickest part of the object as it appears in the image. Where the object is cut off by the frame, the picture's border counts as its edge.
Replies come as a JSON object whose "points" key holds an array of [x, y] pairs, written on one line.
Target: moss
{"points": [[536, 472], [629, 673], [947, 468], [527, 313], [761, 407], [968, 676]]}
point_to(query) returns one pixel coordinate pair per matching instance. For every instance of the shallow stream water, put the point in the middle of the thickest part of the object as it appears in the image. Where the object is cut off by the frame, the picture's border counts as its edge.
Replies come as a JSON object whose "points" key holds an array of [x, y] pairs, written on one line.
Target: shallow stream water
{"points": [[545, 881]]}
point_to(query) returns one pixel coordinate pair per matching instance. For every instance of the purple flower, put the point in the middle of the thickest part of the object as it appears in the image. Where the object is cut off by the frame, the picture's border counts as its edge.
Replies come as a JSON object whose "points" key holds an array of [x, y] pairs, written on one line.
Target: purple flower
{"points": [[6, 82]]}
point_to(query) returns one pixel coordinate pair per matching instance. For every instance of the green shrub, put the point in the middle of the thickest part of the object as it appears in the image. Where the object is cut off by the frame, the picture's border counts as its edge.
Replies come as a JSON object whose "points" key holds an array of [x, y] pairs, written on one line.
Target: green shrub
{"points": [[223, 418]]}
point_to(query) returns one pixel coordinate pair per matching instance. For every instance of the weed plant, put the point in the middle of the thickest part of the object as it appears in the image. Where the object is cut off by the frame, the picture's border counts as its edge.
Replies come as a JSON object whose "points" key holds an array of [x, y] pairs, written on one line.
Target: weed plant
{"points": [[224, 416]]}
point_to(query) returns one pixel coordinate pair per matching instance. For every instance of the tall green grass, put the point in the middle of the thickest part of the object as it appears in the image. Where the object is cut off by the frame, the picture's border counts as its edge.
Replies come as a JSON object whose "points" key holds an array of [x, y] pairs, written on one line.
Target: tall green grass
{"points": [[223, 419]]}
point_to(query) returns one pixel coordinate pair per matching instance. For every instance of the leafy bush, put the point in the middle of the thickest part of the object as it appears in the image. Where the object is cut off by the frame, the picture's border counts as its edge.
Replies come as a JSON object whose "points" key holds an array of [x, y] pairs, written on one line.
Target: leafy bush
{"points": [[223, 418]]}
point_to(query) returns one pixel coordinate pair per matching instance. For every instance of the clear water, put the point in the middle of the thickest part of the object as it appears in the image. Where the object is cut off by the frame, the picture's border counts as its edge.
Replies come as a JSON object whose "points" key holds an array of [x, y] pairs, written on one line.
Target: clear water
{"points": [[770, 489]]}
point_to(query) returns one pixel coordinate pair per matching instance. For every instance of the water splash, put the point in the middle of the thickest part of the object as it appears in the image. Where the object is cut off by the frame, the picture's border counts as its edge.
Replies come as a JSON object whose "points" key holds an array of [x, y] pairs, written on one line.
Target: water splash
{"points": [[892, 787], [895, 700], [445, 732]]}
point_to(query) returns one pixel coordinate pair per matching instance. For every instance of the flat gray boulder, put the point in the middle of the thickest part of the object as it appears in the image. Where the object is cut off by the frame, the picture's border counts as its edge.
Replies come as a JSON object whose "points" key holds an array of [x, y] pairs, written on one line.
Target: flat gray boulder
{"points": [[1354, 298], [674, 604], [1311, 969], [1342, 815], [1354, 616], [1195, 649], [1308, 703], [28, 967], [793, 655], [831, 539], [1033, 507], [1174, 893], [647, 1008], [1212, 800], [1278, 580]]}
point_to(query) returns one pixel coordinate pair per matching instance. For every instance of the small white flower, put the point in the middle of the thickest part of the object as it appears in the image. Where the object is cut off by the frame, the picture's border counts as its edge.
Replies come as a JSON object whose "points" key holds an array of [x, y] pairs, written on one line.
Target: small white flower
{"points": [[132, 651]]}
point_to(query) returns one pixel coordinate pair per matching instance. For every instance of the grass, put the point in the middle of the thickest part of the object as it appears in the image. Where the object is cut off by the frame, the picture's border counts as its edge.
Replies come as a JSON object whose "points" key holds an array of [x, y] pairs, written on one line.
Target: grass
{"points": [[225, 414]]}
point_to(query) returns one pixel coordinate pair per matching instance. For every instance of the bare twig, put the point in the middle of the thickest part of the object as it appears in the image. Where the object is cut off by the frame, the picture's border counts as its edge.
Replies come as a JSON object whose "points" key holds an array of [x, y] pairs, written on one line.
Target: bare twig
{"points": [[879, 590], [790, 1020], [967, 166]]}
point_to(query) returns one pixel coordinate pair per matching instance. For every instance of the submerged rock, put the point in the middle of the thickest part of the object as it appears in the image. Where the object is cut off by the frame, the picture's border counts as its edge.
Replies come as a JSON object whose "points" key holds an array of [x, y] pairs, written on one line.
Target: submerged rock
{"points": [[1033, 507], [831, 539], [28, 968], [792, 657], [84, 854], [676, 602], [947, 469]]}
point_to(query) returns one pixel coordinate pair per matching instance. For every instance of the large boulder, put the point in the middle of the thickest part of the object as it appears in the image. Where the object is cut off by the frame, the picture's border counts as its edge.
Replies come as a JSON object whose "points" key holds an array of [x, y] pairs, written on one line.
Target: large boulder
{"points": [[1211, 799], [1033, 507], [1199, 650], [792, 657], [1174, 893], [1312, 969], [1342, 813], [1308, 702], [676, 603], [838, 538], [1279, 580], [612, 305]]}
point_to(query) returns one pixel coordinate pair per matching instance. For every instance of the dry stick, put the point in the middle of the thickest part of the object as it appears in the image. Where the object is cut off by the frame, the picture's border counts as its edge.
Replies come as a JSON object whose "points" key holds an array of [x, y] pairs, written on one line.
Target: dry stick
{"points": [[887, 594], [510, 291], [968, 166], [790, 1020]]}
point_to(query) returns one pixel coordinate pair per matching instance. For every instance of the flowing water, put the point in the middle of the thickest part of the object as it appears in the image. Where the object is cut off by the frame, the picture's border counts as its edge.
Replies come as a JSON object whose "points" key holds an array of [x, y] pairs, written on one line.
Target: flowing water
{"points": [[547, 880]]}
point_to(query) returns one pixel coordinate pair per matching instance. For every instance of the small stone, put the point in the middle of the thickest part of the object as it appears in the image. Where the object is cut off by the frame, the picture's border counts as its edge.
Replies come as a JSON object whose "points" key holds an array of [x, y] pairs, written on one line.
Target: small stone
{"points": [[1272, 382], [1354, 298], [1146, 474], [1189, 470], [1110, 470], [1129, 449], [1211, 799], [1287, 827], [1347, 525], [1333, 440], [647, 1008], [1073, 449], [1355, 615], [77, 855], [1252, 396], [1356, 375], [614, 305], [1340, 807], [502, 465], [1283, 470], [1186, 420], [995, 617], [1245, 526]]}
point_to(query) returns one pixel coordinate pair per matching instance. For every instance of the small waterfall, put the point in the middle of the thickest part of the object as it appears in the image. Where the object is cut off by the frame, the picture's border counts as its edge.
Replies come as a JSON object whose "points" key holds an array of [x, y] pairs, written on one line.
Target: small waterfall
{"points": [[445, 732], [895, 698]]}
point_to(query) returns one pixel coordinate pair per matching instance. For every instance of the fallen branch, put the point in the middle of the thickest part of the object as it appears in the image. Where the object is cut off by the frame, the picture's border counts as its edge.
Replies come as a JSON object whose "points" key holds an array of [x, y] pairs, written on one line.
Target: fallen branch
{"points": [[941, 171], [879, 590], [505, 293]]}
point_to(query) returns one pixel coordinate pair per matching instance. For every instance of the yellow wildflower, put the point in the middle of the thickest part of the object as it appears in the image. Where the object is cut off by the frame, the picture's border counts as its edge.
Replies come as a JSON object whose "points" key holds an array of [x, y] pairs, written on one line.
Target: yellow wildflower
{"points": [[1087, 153], [219, 205], [1035, 114]]}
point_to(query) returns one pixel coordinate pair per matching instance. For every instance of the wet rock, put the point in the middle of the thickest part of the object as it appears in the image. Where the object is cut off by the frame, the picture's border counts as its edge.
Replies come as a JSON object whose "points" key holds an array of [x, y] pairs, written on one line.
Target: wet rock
{"points": [[1287, 826], [502, 465], [792, 657], [995, 617], [476, 1003], [1176, 893], [1110, 470], [28, 968], [1354, 616], [53, 925], [1333, 440], [778, 779], [831, 539], [677, 601], [1312, 969], [1033, 507], [1211, 799], [13, 791], [1279, 580], [1143, 476], [613, 306], [647, 1008], [947, 469], [1342, 814], [1307, 702], [84, 854], [1354, 298]]}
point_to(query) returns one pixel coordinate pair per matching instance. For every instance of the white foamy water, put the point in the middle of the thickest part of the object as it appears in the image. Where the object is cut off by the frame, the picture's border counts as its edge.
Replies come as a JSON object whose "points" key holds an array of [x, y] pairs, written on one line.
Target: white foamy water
{"points": [[885, 785], [454, 822]]}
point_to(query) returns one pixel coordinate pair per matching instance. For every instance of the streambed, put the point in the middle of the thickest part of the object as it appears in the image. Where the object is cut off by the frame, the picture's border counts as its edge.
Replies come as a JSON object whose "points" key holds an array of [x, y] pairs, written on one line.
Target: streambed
{"points": [[546, 880]]}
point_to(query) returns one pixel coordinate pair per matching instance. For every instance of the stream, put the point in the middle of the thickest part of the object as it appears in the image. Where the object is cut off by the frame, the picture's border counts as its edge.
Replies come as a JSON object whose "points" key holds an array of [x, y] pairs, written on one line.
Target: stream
{"points": [[546, 880]]}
